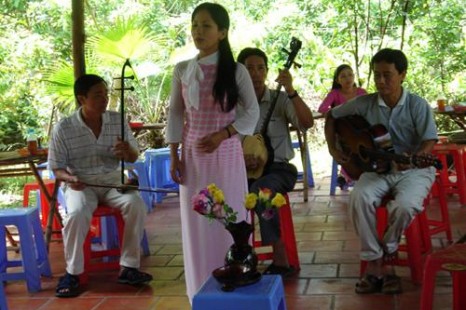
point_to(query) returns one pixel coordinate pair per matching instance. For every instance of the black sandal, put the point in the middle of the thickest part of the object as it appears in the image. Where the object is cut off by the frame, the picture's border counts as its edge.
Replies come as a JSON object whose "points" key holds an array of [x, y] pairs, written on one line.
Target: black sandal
{"points": [[369, 284], [68, 286], [133, 276], [391, 285]]}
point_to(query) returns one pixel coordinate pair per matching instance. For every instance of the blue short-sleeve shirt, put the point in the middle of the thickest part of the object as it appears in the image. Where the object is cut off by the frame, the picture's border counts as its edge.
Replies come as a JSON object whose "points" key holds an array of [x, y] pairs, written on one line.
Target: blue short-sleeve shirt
{"points": [[409, 123]]}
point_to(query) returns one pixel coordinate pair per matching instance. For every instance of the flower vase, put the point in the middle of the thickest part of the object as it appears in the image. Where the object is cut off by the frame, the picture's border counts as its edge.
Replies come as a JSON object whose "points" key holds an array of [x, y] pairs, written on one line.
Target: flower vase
{"points": [[240, 260]]}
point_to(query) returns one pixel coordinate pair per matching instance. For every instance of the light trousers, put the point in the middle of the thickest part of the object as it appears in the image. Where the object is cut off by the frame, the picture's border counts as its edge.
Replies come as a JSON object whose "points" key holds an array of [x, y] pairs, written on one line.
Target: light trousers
{"points": [[77, 215], [409, 189]]}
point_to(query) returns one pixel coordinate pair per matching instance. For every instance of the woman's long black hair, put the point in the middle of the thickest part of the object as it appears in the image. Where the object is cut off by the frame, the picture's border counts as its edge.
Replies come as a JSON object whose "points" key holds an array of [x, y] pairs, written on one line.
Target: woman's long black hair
{"points": [[225, 83]]}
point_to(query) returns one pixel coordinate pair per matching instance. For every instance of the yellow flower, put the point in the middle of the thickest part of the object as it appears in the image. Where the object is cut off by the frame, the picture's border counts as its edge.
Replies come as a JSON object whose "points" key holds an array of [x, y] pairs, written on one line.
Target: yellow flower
{"points": [[265, 193], [251, 200], [212, 188], [278, 201], [218, 196]]}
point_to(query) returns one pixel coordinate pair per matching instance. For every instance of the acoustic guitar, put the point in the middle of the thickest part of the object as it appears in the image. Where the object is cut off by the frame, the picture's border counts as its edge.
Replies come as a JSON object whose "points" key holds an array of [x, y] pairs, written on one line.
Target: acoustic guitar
{"points": [[259, 144], [369, 148]]}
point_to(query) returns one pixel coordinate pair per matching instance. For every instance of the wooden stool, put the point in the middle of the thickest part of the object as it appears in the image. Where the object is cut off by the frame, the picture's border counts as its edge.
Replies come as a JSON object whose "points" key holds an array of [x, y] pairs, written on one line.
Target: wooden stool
{"points": [[267, 294], [34, 258], [452, 259], [418, 242], [287, 236]]}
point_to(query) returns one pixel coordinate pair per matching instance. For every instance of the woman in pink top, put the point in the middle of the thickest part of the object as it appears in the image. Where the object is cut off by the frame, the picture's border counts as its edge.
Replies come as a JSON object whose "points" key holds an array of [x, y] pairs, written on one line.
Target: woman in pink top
{"points": [[343, 89], [212, 99]]}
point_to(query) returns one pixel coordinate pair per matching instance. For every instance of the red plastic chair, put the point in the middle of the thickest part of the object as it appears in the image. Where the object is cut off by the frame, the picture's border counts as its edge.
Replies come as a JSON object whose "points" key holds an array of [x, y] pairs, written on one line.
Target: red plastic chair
{"points": [[43, 204], [418, 242], [103, 258], [287, 235], [452, 259], [442, 224], [458, 154]]}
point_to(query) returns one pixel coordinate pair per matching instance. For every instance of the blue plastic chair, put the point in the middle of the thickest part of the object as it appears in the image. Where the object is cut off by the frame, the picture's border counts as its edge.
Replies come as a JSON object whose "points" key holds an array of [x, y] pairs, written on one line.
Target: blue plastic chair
{"points": [[158, 168], [334, 178], [34, 258], [143, 179]]}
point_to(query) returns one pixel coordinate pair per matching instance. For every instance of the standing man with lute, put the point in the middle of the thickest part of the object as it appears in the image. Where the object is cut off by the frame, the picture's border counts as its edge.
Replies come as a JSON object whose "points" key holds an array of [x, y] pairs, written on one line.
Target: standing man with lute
{"points": [[275, 173]]}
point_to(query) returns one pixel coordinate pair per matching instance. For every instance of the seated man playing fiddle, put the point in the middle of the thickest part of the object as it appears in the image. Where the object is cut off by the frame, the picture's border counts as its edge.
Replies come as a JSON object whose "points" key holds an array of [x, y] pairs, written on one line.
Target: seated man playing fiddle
{"points": [[86, 148], [410, 124], [279, 176]]}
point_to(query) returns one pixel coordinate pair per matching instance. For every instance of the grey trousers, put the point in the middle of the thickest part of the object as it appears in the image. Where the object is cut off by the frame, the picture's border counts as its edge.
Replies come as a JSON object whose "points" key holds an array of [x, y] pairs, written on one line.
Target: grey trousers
{"points": [[409, 189]]}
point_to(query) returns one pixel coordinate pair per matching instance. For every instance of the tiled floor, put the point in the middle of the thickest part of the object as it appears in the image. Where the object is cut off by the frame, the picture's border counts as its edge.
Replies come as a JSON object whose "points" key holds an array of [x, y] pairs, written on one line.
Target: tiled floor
{"points": [[328, 250]]}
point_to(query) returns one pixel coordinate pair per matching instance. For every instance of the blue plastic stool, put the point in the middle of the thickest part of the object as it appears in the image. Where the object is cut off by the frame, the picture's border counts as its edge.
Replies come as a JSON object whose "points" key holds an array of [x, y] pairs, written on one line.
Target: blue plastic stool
{"points": [[158, 167], [310, 177], [267, 294], [334, 177], [34, 255], [143, 179], [110, 238]]}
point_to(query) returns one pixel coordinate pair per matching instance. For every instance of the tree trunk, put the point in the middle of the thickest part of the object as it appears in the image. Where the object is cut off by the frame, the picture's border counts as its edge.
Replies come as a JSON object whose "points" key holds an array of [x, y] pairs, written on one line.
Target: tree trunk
{"points": [[78, 37]]}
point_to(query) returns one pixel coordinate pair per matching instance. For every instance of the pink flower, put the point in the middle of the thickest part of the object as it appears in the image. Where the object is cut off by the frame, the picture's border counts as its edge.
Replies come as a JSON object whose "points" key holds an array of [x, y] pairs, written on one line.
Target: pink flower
{"points": [[200, 204]]}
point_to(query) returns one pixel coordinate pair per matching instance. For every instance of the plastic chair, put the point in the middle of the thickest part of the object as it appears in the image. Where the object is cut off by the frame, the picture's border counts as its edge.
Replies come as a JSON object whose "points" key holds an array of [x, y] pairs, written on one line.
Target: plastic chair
{"points": [[267, 294], [287, 236], [418, 242], [34, 258], [453, 179], [453, 260], [143, 180], [42, 202], [334, 178], [104, 240], [442, 224], [158, 166]]}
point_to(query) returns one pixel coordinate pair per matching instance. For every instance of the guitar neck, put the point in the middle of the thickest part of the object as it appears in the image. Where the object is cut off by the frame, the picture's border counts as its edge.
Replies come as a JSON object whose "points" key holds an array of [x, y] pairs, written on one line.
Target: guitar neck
{"points": [[401, 159]]}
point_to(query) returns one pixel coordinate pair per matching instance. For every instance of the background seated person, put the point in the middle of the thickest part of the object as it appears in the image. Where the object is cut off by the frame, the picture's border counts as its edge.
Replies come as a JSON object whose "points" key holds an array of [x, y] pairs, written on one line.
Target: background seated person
{"points": [[280, 176]]}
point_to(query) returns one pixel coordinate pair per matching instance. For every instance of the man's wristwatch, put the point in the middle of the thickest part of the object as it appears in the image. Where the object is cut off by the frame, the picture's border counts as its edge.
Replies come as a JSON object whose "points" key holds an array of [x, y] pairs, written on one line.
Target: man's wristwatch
{"points": [[293, 95]]}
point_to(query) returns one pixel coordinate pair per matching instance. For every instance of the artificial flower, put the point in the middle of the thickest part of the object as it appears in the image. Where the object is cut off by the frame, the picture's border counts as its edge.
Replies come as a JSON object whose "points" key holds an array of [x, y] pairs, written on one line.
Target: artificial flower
{"points": [[210, 202], [265, 200]]}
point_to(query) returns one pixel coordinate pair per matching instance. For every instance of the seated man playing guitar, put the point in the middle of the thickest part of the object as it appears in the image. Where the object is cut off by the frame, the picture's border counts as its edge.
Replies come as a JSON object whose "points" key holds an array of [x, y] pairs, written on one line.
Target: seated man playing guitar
{"points": [[411, 128], [278, 175]]}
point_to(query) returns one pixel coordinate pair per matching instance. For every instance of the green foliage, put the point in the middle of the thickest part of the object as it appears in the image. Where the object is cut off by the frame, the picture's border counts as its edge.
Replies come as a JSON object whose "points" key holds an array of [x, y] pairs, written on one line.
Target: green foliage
{"points": [[36, 73]]}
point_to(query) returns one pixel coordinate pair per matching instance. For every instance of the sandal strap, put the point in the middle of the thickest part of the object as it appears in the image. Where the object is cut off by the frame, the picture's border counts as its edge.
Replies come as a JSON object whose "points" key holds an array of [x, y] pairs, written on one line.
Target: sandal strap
{"points": [[68, 281]]}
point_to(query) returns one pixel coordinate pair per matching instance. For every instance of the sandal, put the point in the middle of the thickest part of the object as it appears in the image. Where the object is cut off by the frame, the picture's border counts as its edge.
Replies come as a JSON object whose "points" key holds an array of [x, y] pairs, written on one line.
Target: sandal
{"points": [[391, 284], [279, 270], [68, 286], [132, 276], [369, 284]]}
